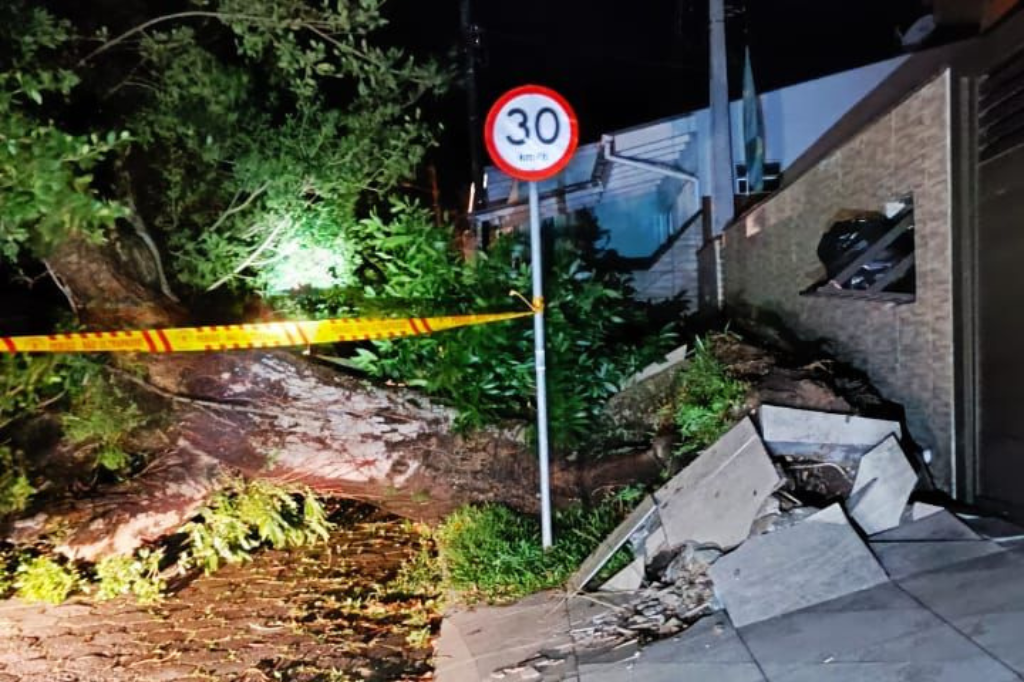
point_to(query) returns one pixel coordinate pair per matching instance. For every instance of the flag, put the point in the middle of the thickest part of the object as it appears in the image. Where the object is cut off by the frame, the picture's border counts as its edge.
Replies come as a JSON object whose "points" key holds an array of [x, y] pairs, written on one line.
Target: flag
{"points": [[753, 130]]}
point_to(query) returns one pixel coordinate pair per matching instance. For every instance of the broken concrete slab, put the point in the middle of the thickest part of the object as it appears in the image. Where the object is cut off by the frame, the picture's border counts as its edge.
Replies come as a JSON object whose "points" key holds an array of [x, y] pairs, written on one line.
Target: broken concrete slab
{"points": [[940, 526], [904, 559], [995, 529], [672, 359], [883, 485], [822, 436], [817, 560], [628, 579], [611, 544], [920, 510], [716, 498], [475, 642]]}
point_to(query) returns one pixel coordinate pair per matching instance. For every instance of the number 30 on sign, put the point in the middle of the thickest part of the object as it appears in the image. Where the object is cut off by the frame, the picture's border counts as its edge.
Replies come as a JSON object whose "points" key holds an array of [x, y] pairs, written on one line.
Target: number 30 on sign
{"points": [[531, 132]]}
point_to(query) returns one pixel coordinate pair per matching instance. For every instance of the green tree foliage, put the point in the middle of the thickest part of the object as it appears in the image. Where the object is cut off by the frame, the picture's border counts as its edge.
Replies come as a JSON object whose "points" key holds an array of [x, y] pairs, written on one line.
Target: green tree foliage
{"points": [[46, 181], [100, 418], [487, 371], [246, 515], [27, 385]]}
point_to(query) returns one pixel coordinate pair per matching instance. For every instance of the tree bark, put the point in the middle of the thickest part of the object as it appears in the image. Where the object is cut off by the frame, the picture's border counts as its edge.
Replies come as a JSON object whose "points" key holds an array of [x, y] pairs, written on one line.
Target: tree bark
{"points": [[278, 416]]}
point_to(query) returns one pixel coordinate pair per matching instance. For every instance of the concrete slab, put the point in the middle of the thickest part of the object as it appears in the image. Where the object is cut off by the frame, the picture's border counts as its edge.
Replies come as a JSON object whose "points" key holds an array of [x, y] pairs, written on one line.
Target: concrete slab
{"points": [[995, 529], [821, 435], [475, 642], [679, 672], [710, 650], [920, 510], [940, 526], [883, 485], [628, 579], [712, 639], [717, 497], [615, 540], [983, 598], [876, 634], [817, 560], [672, 359], [904, 559]]}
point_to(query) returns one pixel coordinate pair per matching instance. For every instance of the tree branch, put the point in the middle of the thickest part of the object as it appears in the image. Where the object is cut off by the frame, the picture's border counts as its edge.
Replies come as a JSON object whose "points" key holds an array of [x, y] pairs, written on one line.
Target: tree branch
{"points": [[281, 225]]}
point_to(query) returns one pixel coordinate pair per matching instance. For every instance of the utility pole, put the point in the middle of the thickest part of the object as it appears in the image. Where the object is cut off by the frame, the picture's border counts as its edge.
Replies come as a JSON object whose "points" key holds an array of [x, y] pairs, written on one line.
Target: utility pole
{"points": [[722, 188], [471, 42]]}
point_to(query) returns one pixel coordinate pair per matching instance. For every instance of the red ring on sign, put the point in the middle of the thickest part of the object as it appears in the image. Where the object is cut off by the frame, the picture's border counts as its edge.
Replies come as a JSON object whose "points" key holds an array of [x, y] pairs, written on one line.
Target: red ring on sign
{"points": [[509, 169]]}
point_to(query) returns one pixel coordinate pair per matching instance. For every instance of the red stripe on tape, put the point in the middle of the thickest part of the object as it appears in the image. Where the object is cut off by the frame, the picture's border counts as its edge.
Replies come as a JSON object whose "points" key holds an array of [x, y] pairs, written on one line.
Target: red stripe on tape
{"points": [[163, 340], [298, 328], [412, 323], [426, 325], [149, 341], [10, 344]]}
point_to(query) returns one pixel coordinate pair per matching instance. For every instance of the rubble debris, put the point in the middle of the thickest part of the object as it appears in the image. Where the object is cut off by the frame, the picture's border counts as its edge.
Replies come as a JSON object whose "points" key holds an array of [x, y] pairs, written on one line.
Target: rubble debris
{"points": [[883, 485], [816, 560], [820, 482], [679, 594], [628, 579], [822, 436], [618, 537], [717, 497]]}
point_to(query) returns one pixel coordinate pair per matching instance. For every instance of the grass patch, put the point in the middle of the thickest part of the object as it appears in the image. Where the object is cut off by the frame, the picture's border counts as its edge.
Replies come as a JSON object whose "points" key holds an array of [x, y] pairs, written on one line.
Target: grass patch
{"points": [[493, 553], [707, 400]]}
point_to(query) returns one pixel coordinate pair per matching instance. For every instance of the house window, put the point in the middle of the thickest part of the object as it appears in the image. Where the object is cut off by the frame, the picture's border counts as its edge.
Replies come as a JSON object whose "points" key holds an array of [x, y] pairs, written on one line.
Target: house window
{"points": [[869, 255], [772, 178]]}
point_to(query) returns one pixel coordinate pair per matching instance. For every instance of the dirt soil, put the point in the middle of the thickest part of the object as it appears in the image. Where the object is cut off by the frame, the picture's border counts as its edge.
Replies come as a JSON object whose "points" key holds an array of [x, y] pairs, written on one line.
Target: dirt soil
{"points": [[288, 615]]}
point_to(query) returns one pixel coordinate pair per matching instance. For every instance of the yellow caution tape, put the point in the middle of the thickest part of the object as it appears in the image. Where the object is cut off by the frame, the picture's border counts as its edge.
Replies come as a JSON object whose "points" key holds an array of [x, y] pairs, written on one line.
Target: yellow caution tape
{"points": [[244, 336]]}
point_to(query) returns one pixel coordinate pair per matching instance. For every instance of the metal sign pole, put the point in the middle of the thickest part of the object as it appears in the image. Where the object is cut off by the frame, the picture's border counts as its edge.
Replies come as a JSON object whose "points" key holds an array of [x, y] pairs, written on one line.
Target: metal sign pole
{"points": [[541, 367]]}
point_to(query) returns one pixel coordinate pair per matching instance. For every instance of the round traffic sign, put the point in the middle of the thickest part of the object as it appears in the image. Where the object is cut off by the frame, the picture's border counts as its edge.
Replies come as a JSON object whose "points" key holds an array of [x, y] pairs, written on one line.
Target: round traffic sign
{"points": [[531, 132]]}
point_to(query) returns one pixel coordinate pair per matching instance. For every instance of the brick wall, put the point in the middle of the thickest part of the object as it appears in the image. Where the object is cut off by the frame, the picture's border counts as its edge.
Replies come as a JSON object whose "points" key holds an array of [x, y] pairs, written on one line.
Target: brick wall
{"points": [[769, 256]]}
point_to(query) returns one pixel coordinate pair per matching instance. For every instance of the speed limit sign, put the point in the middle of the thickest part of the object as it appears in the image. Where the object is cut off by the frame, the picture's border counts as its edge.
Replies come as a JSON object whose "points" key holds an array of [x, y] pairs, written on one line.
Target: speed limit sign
{"points": [[531, 132]]}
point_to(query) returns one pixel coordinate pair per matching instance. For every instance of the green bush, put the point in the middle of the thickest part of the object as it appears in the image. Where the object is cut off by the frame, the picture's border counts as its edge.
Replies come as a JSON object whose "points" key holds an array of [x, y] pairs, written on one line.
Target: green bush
{"points": [[246, 515], [494, 553], [42, 578], [138, 575], [706, 401]]}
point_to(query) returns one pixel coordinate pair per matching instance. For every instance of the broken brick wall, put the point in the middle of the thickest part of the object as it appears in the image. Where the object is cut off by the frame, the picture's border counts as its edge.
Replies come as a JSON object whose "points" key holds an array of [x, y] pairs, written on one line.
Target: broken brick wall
{"points": [[769, 256]]}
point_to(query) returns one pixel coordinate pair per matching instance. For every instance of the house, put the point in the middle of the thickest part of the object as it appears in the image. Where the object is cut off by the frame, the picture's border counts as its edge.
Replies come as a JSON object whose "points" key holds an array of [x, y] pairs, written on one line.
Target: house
{"points": [[644, 185], [943, 133]]}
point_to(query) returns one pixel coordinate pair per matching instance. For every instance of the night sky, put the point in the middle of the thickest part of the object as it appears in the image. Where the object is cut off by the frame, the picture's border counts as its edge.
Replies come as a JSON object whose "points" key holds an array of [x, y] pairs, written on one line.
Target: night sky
{"points": [[621, 62]]}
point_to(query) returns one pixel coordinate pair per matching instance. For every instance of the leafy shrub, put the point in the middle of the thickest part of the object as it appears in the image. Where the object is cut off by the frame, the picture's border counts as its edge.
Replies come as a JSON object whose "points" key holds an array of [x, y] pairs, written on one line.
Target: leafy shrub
{"points": [[706, 400], [42, 578], [247, 514], [101, 418], [491, 552], [138, 575]]}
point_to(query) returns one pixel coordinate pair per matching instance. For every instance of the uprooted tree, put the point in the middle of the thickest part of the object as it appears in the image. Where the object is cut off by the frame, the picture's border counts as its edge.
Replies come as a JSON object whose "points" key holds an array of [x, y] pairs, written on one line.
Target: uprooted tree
{"points": [[235, 158]]}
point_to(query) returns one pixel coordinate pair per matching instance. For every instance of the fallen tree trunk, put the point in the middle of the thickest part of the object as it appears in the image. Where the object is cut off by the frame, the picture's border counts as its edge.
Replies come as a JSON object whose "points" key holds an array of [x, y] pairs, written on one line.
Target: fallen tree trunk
{"points": [[278, 416]]}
